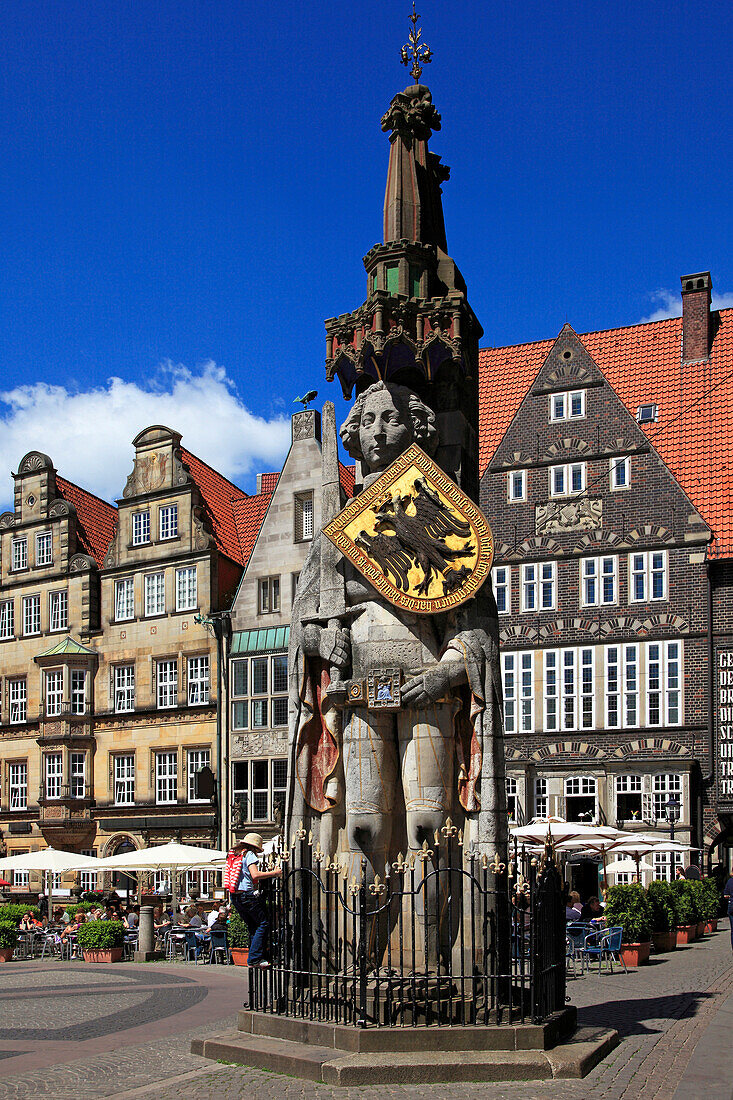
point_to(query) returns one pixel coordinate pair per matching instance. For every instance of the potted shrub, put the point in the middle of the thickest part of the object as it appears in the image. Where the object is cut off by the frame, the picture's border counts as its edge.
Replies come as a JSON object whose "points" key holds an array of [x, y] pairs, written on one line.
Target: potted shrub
{"points": [[101, 940], [686, 919], [629, 908], [664, 916], [697, 901], [8, 940], [710, 904], [12, 913], [238, 939]]}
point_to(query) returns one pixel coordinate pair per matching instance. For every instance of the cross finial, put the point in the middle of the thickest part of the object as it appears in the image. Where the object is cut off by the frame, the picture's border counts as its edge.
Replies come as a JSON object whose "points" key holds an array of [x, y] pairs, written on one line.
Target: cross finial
{"points": [[414, 50]]}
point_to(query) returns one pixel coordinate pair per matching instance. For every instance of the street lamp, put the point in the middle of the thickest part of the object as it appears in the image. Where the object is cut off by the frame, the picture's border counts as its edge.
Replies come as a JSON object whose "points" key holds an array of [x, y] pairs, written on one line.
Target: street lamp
{"points": [[672, 813], [219, 623]]}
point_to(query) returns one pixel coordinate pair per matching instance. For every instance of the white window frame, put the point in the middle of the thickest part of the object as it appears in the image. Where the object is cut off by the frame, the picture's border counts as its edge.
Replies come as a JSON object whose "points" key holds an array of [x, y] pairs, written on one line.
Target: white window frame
{"points": [[44, 548], [58, 610], [154, 586], [186, 588], [569, 689], [124, 599], [666, 864], [621, 681], [18, 554], [582, 782], [538, 586], [18, 701], [593, 577], [625, 785], [18, 785], [501, 579], [31, 615], [198, 680], [166, 684], [77, 774], [663, 693], [619, 466], [53, 692], [196, 759], [652, 417], [78, 690], [7, 619], [516, 486], [53, 768], [123, 688], [166, 778], [512, 800], [566, 469], [517, 669], [645, 566], [167, 522], [141, 528], [665, 784], [268, 595], [561, 406], [123, 779], [253, 795], [541, 797]]}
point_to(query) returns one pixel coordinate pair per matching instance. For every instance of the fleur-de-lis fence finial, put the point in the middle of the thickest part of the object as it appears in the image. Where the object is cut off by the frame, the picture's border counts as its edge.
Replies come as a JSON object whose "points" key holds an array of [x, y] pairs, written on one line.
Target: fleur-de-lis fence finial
{"points": [[414, 50]]}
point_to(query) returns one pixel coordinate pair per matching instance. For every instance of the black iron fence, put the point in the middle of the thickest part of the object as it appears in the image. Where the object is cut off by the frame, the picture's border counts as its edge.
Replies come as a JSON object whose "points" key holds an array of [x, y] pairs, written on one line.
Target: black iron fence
{"points": [[445, 936]]}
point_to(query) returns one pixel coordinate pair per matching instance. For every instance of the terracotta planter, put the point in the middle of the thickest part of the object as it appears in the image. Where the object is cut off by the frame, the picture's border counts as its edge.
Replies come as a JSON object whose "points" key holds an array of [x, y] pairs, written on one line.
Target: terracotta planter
{"points": [[634, 954], [712, 925], [103, 955], [700, 928], [686, 933], [665, 941], [6, 954], [240, 956]]}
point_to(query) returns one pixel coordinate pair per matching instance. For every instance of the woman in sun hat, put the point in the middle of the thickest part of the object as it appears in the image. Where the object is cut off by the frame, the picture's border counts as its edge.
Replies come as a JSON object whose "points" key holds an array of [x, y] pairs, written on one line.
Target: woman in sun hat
{"points": [[241, 877]]}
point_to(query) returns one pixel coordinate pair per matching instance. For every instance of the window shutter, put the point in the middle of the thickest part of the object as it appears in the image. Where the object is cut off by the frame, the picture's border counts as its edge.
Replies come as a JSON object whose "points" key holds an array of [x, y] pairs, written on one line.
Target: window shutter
{"points": [[560, 806], [298, 505], [111, 775], [647, 806]]}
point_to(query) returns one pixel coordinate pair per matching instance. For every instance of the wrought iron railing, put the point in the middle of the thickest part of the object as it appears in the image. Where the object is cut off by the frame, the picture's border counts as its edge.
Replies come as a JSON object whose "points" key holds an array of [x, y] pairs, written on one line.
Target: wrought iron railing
{"points": [[446, 936]]}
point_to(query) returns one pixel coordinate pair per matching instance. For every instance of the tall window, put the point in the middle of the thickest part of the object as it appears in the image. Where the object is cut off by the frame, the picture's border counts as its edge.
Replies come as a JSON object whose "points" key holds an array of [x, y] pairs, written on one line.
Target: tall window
{"points": [[78, 680], [197, 759], [541, 800], [580, 798], [54, 775], [666, 864], [124, 688], [518, 677], [240, 695], [198, 680], [17, 701], [303, 517], [259, 786], [167, 688], [279, 689], [664, 786], [140, 528], [19, 554], [7, 619], [88, 879], [259, 692], [31, 614], [166, 777], [77, 774], [567, 480], [569, 405], [44, 549], [124, 599], [269, 594], [124, 779], [620, 473], [512, 801], [18, 785], [569, 689], [516, 485], [154, 594], [186, 594], [58, 610], [628, 797], [54, 692], [622, 686], [648, 576], [168, 522], [538, 586], [663, 683], [501, 576], [598, 581]]}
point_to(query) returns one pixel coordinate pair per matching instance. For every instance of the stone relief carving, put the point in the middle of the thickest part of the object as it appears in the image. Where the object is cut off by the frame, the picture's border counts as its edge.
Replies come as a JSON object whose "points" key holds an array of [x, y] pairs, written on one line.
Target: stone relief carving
{"points": [[61, 508], [154, 470], [202, 537], [34, 461], [556, 517], [81, 563], [304, 425], [7, 519]]}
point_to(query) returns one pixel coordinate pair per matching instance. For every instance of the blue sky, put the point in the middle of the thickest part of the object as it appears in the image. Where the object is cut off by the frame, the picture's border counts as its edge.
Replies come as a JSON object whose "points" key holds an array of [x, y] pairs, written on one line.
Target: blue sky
{"points": [[189, 187]]}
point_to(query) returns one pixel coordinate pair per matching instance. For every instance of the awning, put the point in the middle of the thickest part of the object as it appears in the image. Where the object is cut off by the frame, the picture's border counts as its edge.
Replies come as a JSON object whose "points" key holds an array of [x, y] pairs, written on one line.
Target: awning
{"points": [[270, 640]]}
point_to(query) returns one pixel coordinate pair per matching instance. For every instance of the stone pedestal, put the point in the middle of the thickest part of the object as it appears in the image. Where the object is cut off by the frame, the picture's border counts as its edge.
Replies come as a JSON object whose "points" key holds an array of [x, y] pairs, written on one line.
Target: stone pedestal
{"points": [[146, 937]]}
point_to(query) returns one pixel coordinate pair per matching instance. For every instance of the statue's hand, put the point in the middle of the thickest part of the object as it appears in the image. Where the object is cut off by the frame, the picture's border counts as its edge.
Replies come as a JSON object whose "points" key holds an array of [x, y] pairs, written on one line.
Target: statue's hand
{"points": [[433, 684], [340, 655]]}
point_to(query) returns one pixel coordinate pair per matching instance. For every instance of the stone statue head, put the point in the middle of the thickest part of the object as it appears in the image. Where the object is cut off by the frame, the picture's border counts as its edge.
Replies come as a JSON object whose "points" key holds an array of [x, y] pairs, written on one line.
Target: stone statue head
{"points": [[384, 421]]}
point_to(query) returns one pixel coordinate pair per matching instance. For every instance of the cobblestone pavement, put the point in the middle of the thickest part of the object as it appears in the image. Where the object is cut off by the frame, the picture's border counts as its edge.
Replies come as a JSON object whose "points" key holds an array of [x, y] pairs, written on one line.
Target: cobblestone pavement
{"points": [[77, 1030]]}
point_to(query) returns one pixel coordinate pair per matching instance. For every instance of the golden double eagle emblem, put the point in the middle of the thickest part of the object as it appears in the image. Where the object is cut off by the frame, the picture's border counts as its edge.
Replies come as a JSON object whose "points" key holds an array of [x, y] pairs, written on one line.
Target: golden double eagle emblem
{"points": [[416, 537]]}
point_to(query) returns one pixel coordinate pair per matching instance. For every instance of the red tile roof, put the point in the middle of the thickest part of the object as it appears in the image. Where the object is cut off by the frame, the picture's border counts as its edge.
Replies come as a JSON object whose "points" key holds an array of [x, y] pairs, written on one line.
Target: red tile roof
{"points": [[268, 482], [97, 518], [693, 433], [220, 496], [347, 475], [248, 517]]}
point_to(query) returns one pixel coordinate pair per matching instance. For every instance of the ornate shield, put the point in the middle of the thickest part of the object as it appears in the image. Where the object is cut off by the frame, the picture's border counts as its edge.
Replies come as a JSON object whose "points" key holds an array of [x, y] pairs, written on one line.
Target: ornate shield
{"points": [[415, 536]]}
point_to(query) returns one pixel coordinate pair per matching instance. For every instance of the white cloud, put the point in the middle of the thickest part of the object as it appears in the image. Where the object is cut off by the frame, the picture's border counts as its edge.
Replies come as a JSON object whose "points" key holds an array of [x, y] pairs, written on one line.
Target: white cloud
{"points": [[88, 433], [670, 304]]}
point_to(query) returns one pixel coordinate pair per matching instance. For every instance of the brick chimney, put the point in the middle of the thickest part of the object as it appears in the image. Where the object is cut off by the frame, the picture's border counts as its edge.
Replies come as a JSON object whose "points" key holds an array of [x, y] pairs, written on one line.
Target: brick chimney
{"points": [[696, 319]]}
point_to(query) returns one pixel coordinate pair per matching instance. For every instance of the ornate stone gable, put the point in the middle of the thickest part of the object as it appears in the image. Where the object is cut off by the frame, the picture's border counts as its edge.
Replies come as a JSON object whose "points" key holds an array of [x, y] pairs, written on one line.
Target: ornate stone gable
{"points": [[158, 463]]}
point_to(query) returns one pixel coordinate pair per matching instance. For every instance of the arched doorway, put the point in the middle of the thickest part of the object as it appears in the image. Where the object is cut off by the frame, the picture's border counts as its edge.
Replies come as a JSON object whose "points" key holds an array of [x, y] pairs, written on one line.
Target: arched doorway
{"points": [[123, 881]]}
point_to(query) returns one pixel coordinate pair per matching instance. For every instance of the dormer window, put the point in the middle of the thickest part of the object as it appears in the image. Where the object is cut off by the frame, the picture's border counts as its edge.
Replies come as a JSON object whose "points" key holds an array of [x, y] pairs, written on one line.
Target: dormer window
{"points": [[647, 414], [516, 485], [569, 405]]}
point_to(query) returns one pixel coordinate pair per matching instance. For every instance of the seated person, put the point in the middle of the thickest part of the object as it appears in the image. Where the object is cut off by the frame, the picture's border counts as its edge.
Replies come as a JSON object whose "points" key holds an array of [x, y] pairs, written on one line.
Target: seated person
{"points": [[193, 920], [28, 923], [132, 919], [58, 916], [573, 907], [592, 910], [219, 924], [74, 925]]}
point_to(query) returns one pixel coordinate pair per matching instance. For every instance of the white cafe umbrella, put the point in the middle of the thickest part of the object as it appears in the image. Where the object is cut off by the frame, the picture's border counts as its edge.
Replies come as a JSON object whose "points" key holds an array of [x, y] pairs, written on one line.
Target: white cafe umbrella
{"points": [[558, 831], [628, 866], [52, 861], [171, 857]]}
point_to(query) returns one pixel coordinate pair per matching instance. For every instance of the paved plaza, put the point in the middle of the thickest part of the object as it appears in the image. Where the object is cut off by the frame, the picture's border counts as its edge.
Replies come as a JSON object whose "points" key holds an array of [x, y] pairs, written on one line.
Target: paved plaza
{"points": [[80, 1030]]}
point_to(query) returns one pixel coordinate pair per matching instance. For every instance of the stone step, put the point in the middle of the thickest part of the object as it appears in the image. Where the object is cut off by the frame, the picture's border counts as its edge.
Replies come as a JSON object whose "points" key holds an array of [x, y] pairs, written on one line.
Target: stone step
{"points": [[275, 1055]]}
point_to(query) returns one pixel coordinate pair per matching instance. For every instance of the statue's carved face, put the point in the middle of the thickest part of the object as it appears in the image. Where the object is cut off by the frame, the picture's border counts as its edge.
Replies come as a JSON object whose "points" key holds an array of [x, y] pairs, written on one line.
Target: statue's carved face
{"points": [[383, 432]]}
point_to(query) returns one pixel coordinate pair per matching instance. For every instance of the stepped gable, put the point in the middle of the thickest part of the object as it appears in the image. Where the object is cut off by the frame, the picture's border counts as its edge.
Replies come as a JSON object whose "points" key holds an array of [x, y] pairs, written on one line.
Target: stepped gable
{"points": [[693, 433], [249, 515], [219, 495], [96, 518]]}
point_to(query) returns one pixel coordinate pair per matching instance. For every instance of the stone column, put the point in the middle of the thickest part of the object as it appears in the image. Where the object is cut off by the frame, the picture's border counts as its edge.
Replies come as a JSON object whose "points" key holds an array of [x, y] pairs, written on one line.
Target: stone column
{"points": [[146, 937]]}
